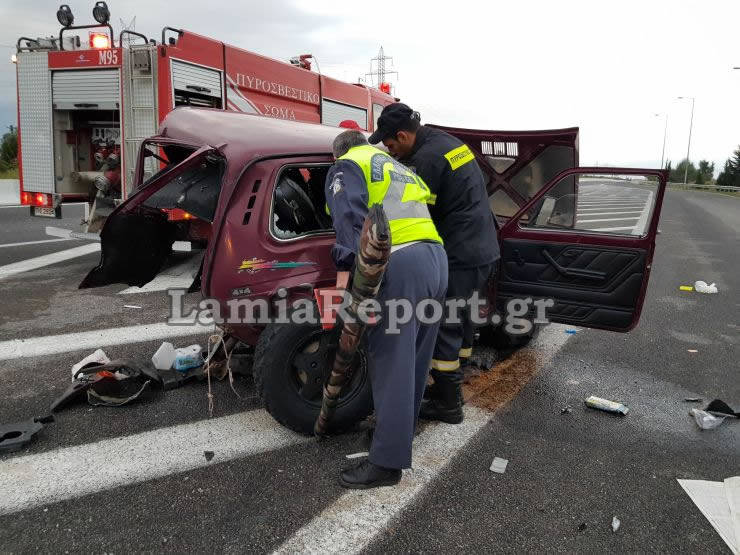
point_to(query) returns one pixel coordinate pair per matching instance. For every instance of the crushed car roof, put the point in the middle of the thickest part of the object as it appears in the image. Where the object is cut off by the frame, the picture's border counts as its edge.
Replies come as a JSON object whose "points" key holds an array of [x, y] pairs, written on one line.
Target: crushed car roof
{"points": [[246, 136]]}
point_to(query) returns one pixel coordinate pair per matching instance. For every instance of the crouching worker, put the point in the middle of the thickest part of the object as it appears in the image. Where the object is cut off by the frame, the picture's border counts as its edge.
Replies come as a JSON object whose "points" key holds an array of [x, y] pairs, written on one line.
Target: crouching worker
{"points": [[399, 349]]}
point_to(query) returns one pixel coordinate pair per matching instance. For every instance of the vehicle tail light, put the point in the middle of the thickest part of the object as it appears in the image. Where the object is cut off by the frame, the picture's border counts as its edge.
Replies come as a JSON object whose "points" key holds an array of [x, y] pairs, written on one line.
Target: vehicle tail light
{"points": [[36, 199], [178, 215], [99, 40]]}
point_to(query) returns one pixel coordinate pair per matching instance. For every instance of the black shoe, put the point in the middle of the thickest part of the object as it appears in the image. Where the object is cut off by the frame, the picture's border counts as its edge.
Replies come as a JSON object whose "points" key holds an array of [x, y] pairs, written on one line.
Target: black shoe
{"points": [[366, 475], [448, 406], [433, 409]]}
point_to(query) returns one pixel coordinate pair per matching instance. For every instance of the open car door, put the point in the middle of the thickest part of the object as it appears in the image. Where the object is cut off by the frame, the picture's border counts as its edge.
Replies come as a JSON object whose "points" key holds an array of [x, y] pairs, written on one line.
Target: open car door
{"points": [[589, 251], [137, 238], [517, 164]]}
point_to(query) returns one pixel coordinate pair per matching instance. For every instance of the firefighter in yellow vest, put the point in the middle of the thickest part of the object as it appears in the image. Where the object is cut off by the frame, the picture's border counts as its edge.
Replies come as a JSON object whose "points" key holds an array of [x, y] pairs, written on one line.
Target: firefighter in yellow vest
{"points": [[399, 355]]}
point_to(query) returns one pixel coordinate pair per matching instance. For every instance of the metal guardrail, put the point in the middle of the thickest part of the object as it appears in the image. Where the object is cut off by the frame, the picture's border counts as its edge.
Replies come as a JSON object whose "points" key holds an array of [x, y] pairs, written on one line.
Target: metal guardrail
{"points": [[718, 188]]}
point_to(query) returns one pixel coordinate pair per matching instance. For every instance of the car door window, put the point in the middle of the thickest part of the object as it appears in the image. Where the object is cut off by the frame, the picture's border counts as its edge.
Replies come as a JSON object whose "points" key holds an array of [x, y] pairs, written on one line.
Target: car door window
{"points": [[298, 202], [605, 204]]}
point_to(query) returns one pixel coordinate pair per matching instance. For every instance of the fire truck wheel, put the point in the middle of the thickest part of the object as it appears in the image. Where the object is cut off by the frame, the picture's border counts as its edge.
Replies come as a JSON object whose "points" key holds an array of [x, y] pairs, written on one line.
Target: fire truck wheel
{"points": [[497, 338], [291, 364]]}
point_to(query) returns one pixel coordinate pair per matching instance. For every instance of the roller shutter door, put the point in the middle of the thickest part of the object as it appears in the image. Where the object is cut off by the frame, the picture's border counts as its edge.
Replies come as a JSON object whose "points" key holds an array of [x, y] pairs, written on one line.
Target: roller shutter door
{"points": [[196, 79], [92, 89], [333, 113]]}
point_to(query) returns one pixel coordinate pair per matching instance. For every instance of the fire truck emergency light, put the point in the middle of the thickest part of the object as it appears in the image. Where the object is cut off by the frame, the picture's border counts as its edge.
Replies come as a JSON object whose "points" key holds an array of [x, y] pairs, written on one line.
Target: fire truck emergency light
{"points": [[101, 13], [64, 16], [385, 87], [99, 40]]}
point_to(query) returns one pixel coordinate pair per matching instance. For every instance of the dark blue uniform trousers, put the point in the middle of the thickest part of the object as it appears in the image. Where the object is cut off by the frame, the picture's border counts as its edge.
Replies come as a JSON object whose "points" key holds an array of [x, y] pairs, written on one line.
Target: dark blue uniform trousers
{"points": [[399, 363]]}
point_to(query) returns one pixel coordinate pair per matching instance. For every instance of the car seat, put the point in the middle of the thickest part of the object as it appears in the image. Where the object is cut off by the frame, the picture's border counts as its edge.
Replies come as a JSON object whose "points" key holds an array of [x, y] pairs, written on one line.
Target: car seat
{"points": [[294, 209]]}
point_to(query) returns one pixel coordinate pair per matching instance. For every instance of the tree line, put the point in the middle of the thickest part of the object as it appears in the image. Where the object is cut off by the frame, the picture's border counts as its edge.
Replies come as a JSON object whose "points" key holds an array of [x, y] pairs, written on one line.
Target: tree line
{"points": [[9, 151], [704, 173]]}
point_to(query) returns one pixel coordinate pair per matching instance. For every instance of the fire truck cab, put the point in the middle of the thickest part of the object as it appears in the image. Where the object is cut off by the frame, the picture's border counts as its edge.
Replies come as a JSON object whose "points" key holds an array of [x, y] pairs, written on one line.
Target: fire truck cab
{"points": [[87, 100]]}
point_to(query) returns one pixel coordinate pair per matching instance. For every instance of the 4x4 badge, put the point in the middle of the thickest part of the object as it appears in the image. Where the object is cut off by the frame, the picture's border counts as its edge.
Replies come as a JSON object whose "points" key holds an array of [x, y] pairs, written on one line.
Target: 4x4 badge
{"points": [[256, 264]]}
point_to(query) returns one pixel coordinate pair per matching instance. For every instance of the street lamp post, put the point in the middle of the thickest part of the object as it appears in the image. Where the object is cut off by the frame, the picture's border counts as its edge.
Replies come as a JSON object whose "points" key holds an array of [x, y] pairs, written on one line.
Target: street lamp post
{"points": [[688, 148], [665, 132]]}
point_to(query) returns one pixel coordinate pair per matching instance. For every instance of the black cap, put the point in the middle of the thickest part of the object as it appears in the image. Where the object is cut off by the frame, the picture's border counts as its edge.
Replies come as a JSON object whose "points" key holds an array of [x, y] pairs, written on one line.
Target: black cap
{"points": [[391, 120]]}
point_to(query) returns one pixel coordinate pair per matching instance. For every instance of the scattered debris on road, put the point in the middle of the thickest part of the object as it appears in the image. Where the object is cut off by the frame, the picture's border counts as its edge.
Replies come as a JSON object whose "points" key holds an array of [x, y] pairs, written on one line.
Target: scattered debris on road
{"points": [[14, 437], [713, 415], [94, 359], [131, 306], [571, 332], [693, 399], [607, 405], [566, 410], [692, 350], [112, 384], [581, 526], [705, 420], [616, 523], [499, 465], [702, 287], [209, 455], [168, 357], [357, 455], [719, 502]]}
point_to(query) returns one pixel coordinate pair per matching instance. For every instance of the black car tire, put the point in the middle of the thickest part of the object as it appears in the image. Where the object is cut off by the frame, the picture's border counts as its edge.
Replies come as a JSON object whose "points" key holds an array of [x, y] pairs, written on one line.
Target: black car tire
{"points": [[281, 383]]}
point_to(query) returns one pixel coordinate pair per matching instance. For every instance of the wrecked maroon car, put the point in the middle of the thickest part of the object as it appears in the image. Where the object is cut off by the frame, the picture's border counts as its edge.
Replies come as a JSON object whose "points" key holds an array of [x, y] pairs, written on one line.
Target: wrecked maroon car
{"points": [[248, 193]]}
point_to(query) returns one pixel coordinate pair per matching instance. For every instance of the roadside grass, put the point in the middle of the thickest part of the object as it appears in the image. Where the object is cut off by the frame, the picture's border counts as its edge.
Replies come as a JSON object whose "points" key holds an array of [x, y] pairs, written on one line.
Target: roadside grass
{"points": [[9, 174], [735, 194]]}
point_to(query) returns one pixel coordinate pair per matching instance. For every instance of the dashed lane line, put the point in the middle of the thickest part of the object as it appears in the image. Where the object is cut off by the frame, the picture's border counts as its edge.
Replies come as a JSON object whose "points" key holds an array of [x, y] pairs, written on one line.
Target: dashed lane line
{"points": [[54, 344], [357, 518], [72, 472], [47, 260]]}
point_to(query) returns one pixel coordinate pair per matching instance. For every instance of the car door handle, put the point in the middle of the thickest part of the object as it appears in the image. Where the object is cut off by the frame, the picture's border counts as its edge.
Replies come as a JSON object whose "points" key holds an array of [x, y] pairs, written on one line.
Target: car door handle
{"points": [[572, 272]]}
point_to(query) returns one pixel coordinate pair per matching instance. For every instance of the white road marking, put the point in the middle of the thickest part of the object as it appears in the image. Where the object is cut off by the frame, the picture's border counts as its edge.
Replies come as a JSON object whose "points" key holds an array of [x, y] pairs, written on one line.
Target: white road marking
{"points": [[47, 259], [69, 234], [72, 472], [608, 213], [641, 225], [53, 344], [357, 518], [609, 228], [180, 276], [608, 220], [32, 243]]}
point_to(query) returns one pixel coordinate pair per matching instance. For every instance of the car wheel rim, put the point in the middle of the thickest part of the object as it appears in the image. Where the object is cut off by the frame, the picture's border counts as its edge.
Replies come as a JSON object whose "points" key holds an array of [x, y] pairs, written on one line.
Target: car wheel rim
{"points": [[310, 367]]}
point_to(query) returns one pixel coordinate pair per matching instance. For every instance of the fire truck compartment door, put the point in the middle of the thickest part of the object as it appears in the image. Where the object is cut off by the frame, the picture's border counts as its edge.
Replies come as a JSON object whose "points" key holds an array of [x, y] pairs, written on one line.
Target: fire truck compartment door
{"points": [[87, 89], [196, 79], [35, 119], [333, 113]]}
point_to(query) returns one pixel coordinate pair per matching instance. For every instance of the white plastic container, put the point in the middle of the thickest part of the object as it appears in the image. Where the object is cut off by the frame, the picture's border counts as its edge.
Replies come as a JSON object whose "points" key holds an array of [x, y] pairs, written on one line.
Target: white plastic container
{"points": [[165, 356]]}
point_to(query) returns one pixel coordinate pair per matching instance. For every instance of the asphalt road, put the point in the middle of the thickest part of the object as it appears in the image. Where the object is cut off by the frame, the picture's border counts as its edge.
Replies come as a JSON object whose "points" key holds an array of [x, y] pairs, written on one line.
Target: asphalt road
{"points": [[135, 478]]}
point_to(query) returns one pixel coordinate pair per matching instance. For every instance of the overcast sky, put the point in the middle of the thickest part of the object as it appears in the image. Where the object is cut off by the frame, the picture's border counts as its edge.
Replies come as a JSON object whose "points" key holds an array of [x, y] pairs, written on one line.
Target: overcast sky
{"points": [[607, 67]]}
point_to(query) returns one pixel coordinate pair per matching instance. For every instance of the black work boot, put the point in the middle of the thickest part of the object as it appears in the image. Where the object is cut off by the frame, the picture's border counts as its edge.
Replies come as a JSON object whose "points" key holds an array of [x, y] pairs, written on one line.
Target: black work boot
{"points": [[366, 475], [448, 406], [431, 391]]}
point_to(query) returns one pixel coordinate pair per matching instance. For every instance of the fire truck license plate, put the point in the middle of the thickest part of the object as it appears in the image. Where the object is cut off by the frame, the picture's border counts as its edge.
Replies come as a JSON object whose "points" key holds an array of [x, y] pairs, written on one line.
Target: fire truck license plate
{"points": [[44, 211]]}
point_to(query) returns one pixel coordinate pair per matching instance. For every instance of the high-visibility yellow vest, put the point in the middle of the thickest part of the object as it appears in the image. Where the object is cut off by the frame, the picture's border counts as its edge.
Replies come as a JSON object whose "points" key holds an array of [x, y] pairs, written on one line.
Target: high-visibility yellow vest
{"points": [[403, 194]]}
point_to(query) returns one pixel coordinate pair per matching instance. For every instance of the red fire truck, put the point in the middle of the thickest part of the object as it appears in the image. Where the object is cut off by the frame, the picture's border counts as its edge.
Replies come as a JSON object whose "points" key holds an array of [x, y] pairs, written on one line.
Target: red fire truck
{"points": [[86, 101]]}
